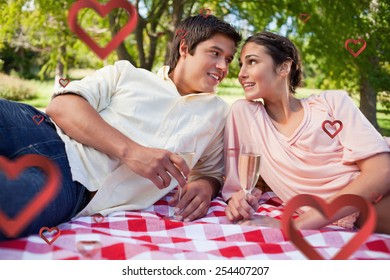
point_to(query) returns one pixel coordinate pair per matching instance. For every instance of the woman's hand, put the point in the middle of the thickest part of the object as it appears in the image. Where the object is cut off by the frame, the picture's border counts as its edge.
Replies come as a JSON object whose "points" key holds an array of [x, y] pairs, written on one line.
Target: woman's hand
{"points": [[239, 207]]}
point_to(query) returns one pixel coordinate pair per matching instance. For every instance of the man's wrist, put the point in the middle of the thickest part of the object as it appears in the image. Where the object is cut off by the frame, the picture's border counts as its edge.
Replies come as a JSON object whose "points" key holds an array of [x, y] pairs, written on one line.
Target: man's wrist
{"points": [[213, 183]]}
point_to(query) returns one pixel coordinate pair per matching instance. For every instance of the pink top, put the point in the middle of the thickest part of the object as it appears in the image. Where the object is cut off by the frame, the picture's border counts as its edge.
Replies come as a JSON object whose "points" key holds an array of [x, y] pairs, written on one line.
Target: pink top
{"points": [[315, 159]]}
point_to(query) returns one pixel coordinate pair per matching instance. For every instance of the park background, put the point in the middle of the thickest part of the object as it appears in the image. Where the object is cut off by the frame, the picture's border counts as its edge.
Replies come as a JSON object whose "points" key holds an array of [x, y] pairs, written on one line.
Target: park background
{"points": [[37, 48]]}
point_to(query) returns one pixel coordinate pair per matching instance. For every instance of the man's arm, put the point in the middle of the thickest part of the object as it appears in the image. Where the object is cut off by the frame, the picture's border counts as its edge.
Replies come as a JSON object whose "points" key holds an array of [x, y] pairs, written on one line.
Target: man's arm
{"points": [[80, 121]]}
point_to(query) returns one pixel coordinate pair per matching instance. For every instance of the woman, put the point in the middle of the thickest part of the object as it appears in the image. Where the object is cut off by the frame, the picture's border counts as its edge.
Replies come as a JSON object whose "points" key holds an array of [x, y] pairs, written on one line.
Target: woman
{"points": [[321, 145]]}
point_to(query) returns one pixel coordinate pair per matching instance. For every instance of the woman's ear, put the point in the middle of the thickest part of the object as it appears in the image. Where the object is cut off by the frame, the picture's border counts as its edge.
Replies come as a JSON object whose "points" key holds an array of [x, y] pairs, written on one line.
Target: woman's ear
{"points": [[285, 67], [183, 48]]}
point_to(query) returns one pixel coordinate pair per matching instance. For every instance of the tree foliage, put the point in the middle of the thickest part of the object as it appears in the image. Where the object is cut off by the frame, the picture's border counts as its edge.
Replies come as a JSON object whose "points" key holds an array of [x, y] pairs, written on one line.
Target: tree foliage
{"points": [[35, 37]]}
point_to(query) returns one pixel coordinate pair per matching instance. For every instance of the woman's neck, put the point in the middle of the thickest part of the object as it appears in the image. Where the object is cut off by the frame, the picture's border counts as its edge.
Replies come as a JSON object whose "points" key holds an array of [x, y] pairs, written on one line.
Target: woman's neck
{"points": [[281, 109]]}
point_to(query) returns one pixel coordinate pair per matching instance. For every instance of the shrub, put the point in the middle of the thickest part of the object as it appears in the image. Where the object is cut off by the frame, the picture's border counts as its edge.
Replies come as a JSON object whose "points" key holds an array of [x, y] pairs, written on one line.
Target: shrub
{"points": [[13, 88]]}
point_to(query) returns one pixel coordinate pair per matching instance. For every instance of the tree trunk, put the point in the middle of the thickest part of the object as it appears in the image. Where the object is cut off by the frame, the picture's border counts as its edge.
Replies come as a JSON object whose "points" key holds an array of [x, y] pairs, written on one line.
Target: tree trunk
{"points": [[59, 72], [368, 101], [177, 15], [121, 50]]}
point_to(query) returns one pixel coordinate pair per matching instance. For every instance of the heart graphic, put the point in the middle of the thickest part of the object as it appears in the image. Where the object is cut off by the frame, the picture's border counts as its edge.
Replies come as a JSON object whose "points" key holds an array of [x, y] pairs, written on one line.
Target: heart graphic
{"points": [[181, 33], [355, 42], [205, 12], [64, 82], [376, 197], [367, 211], [304, 17], [98, 218], [38, 119], [102, 10], [88, 248], [49, 242], [332, 135], [13, 226]]}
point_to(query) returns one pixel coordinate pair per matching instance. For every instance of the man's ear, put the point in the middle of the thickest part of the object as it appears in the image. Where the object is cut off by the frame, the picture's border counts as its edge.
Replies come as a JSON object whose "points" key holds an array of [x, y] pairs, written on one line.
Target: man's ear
{"points": [[183, 48], [285, 67]]}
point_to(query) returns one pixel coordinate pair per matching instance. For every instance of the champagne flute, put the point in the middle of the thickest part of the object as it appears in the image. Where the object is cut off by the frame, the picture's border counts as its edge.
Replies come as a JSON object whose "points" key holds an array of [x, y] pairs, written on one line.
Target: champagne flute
{"points": [[249, 166], [186, 148]]}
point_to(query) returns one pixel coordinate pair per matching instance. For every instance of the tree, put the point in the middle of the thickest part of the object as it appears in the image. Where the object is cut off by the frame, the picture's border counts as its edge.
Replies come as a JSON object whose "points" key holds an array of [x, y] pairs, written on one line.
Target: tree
{"points": [[323, 40]]}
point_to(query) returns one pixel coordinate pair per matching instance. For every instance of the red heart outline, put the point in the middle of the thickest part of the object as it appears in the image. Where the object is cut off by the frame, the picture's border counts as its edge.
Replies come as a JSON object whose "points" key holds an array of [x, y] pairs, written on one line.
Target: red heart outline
{"points": [[12, 227], [82, 247], [98, 218], [366, 209], [376, 197], [49, 242], [332, 124], [61, 81], [181, 33], [40, 117], [102, 10], [203, 14], [355, 42], [304, 17]]}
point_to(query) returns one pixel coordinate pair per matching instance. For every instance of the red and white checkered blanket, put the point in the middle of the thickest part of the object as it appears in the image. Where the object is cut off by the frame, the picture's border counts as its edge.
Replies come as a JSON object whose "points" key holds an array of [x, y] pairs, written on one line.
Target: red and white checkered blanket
{"points": [[148, 234]]}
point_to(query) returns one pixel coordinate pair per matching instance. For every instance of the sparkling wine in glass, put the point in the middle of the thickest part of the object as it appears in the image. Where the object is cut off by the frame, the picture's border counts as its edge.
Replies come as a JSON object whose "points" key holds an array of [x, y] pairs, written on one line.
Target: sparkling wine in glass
{"points": [[186, 148], [249, 166]]}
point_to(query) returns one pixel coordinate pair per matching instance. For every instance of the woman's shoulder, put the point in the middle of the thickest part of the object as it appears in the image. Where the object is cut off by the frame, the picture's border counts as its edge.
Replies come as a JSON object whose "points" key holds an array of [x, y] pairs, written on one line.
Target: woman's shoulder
{"points": [[246, 105], [330, 98], [329, 95]]}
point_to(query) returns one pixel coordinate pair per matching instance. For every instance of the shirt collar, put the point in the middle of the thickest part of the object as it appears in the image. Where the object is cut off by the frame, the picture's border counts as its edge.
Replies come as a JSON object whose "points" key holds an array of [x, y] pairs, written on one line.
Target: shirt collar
{"points": [[163, 73]]}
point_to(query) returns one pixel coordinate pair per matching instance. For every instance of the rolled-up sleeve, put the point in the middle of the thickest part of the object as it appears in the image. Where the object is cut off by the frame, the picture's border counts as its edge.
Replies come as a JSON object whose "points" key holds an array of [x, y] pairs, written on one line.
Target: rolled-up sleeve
{"points": [[357, 132], [99, 87]]}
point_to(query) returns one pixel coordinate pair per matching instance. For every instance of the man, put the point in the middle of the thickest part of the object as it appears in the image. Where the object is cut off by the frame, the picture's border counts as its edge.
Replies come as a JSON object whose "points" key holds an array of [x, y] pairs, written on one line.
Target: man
{"points": [[122, 125]]}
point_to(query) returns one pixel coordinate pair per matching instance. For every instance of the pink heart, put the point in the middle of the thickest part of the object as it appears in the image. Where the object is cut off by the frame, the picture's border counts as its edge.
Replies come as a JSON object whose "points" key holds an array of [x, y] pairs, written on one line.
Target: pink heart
{"points": [[12, 227], [366, 209], [49, 242], [88, 248], [38, 119], [181, 33], [205, 12], [64, 82], [98, 218], [355, 42], [332, 135], [102, 10], [304, 17]]}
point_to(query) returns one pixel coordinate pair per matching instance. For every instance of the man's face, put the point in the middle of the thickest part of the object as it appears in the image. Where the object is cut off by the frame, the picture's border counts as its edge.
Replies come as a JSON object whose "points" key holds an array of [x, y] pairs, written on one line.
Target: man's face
{"points": [[207, 67]]}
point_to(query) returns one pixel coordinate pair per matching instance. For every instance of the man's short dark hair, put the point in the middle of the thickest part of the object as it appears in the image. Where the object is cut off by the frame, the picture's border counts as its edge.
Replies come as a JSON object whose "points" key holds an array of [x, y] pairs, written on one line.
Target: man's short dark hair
{"points": [[198, 29]]}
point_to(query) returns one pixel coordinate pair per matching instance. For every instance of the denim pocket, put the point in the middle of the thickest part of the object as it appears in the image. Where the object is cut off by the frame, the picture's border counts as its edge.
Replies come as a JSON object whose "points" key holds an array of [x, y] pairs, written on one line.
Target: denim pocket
{"points": [[52, 149]]}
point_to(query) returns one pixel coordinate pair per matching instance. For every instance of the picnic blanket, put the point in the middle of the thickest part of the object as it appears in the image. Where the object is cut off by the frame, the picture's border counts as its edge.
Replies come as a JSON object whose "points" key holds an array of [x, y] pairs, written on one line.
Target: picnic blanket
{"points": [[149, 234]]}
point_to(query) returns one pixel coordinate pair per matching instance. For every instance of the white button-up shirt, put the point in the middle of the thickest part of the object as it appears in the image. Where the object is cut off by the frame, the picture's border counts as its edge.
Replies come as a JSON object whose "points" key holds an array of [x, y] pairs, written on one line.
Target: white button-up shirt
{"points": [[148, 109]]}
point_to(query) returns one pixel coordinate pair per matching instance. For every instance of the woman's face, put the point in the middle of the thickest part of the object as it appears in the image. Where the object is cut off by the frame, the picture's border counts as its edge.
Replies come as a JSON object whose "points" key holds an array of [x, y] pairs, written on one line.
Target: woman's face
{"points": [[257, 75]]}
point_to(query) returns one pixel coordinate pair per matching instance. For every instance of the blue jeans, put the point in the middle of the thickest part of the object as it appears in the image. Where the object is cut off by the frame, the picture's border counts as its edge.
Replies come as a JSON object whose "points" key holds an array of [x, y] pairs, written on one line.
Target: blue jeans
{"points": [[20, 134]]}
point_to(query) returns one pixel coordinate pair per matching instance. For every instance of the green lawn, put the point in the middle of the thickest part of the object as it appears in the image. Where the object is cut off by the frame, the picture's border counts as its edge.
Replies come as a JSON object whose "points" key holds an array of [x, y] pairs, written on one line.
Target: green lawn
{"points": [[229, 90]]}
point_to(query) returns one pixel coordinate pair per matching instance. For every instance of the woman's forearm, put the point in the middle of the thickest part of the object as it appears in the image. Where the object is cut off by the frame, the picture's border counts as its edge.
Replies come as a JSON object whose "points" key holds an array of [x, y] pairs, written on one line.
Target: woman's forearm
{"points": [[374, 179]]}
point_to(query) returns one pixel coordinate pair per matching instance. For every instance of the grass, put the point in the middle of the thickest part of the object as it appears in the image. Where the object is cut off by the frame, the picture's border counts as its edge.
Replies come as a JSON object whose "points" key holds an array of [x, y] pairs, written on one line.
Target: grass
{"points": [[230, 90]]}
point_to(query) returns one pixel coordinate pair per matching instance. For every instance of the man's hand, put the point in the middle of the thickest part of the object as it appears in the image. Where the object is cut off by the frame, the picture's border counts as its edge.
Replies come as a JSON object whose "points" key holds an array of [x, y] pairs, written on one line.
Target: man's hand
{"points": [[94, 131], [157, 165], [195, 200], [239, 207]]}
